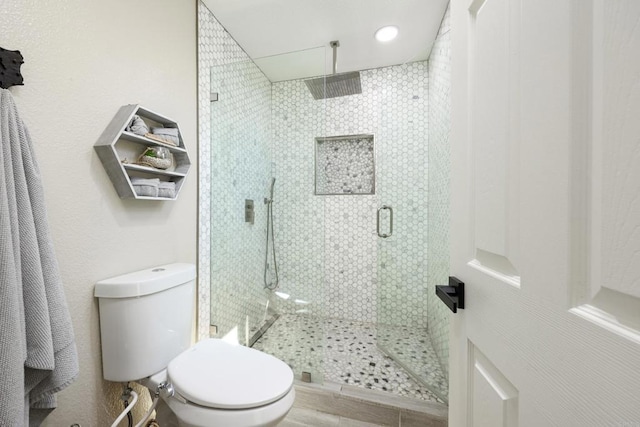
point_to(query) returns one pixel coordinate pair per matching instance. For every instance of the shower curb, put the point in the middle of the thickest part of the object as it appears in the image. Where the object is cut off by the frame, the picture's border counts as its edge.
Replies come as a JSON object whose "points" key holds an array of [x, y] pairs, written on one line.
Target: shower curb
{"points": [[370, 406]]}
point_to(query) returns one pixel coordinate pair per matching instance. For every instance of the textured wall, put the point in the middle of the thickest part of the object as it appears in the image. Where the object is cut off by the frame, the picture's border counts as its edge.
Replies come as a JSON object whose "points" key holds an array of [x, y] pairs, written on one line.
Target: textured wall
{"points": [[333, 238], [439, 169], [83, 60]]}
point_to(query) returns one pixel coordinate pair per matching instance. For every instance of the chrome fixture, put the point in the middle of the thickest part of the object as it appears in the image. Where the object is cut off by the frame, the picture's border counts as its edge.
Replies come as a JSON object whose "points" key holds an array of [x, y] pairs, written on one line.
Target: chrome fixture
{"points": [[269, 202], [165, 389], [336, 84], [249, 214]]}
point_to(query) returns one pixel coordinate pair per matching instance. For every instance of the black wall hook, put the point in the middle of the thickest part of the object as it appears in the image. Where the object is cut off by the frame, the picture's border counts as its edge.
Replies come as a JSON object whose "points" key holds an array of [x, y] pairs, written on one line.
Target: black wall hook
{"points": [[10, 62]]}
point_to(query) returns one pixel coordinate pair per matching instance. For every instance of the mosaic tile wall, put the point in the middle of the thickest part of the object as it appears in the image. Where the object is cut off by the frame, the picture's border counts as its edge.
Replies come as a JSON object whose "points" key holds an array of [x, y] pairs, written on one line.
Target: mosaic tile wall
{"points": [[350, 261], [345, 165], [299, 215], [439, 168], [393, 107], [235, 166]]}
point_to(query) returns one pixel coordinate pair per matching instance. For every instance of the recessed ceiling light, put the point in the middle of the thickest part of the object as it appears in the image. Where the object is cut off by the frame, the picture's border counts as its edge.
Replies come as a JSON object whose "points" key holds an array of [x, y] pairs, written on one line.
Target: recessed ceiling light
{"points": [[386, 34]]}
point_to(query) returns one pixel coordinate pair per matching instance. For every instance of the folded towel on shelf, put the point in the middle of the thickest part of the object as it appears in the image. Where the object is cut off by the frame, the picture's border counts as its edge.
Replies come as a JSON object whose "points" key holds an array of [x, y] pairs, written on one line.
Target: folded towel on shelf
{"points": [[166, 135], [137, 126], [167, 189], [146, 187]]}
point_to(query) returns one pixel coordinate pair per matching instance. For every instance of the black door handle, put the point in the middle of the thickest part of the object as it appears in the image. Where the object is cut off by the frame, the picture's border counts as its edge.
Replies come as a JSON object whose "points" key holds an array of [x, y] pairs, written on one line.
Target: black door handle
{"points": [[452, 295]]}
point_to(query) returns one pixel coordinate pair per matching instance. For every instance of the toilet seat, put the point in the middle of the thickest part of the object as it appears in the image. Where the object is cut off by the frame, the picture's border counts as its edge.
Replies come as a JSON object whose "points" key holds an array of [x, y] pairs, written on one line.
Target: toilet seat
{"points": [[216, 374]]}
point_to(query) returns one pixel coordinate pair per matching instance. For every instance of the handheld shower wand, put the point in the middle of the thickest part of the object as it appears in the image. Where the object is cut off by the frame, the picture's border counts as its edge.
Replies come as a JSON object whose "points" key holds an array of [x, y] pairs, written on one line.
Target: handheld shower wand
{"points": [[269, 202]]}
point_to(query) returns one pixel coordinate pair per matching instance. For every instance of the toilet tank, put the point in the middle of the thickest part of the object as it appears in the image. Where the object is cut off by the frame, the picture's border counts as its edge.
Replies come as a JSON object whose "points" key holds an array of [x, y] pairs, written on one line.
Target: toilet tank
{"points": [[145, 320]]}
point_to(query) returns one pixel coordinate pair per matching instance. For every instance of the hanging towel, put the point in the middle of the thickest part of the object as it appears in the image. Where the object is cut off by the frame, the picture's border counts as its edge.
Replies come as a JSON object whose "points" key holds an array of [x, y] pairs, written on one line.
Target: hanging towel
{"points": [[38, 355]]}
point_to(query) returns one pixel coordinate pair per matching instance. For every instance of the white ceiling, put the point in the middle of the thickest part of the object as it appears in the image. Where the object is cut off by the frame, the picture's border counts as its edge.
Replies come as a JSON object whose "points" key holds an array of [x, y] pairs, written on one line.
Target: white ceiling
{"points": [[267, 29]]}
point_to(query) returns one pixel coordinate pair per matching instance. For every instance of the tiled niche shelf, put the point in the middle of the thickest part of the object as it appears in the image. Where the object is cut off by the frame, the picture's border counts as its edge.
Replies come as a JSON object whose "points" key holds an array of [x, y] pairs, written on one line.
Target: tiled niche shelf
{"points": [[345, 165], [118, 149]]}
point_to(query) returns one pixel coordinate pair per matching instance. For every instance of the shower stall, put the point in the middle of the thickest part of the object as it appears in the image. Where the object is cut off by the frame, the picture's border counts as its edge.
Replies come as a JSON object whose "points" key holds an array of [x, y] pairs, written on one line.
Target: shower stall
{"points": [[334, 267]]}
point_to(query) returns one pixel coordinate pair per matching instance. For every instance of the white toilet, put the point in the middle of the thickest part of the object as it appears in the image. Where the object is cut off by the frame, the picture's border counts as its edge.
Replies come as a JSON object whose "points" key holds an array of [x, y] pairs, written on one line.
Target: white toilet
{"points": [[145, 323]]}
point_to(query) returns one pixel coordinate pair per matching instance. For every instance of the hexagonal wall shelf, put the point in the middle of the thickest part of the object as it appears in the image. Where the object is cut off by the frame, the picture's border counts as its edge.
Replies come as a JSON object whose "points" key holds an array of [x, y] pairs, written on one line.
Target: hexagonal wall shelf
{"points": [[118, 149]]}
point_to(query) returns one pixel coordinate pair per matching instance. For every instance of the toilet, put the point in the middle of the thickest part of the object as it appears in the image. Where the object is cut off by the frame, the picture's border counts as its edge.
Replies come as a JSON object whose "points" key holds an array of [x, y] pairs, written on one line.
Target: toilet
{"points": [[145, 324]]}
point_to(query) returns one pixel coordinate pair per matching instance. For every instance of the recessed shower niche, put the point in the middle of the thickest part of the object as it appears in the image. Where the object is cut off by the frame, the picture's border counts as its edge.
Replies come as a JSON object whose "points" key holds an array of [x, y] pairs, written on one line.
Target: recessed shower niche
{"points": [[345, 165]]}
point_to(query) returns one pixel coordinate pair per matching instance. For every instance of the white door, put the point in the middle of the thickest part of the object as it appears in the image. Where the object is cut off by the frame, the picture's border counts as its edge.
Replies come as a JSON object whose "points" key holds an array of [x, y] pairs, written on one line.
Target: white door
{"points": [[546, 213]]}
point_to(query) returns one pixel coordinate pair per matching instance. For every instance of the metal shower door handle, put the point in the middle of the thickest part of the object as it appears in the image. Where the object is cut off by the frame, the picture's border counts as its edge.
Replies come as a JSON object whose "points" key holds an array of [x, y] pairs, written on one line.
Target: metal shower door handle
{"points": [[390, 209]]}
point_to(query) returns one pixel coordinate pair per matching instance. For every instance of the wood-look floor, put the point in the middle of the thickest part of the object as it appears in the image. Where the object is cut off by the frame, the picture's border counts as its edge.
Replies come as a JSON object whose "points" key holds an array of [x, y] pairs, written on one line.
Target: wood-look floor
{"points": [[299, 417]]}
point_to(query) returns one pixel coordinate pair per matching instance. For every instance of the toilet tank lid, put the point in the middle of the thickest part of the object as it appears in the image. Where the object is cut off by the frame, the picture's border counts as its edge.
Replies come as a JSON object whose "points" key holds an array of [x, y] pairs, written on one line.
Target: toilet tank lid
{"points": [[145, 282]]}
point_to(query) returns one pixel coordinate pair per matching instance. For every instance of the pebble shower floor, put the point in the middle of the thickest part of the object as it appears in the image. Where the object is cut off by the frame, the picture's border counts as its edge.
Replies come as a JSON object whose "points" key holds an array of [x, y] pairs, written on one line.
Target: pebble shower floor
{"points": [[347, 353]]}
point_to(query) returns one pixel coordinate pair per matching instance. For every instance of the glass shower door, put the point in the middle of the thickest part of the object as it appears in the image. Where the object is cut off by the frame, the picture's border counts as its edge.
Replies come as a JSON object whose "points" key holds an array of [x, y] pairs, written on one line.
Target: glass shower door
{"points": [[402, 245]]}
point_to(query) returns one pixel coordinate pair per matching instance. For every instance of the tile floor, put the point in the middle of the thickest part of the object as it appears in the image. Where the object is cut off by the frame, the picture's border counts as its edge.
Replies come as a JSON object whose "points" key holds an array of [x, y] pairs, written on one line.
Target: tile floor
{"points": [[345, 352]]}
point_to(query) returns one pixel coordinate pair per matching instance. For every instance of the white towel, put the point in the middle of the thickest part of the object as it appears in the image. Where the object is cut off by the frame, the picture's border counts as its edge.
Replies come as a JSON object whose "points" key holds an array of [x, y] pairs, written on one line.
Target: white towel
{"points": [[38, 355]]}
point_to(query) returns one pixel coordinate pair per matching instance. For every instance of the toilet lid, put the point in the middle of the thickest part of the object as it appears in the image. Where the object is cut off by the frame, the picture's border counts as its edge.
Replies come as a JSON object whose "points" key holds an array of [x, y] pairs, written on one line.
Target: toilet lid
{"points": [[217, 374]]}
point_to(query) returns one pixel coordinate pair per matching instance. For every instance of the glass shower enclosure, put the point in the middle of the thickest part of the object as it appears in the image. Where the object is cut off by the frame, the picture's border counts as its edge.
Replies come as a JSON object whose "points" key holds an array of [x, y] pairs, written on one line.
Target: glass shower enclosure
{"points": [[351, 218]]}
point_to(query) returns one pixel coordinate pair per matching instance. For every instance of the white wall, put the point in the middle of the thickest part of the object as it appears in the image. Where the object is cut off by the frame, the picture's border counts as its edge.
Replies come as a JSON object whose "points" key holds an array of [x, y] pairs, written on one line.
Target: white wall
{"points": [[83, 60]]}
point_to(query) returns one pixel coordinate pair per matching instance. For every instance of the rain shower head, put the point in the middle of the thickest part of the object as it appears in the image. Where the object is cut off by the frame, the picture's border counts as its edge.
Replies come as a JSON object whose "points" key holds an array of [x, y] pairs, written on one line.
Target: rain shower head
{"points": [[336, 84]]}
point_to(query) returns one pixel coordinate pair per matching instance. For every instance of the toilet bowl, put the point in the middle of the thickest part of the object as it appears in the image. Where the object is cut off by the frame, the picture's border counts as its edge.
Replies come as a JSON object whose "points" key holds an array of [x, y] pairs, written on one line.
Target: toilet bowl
{"points": [[220, 384], [190, 415], [145, 324]]}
